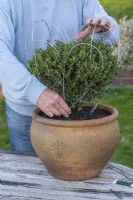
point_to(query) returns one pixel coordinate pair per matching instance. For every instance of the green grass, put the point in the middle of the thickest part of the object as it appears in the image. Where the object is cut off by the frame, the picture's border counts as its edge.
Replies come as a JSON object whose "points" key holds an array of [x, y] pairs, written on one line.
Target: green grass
{"points": [[122, 99], [4, 138], [118, 8]]}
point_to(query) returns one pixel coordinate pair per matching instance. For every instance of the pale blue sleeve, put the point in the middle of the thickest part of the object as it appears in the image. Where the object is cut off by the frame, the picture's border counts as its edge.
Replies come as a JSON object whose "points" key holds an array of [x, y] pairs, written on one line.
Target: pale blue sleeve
{"points": [[18, 82], [93, 9]]}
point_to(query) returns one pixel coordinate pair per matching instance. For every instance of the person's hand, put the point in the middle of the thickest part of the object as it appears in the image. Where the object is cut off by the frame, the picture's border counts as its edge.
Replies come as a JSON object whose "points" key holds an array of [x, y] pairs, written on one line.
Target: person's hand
{"points": [[52, 104], [94, 26]]}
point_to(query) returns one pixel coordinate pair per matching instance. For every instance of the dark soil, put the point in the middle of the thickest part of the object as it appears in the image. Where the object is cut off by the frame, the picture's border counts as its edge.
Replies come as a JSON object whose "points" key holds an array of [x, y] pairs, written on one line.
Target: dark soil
{"points": [[82, 114]]}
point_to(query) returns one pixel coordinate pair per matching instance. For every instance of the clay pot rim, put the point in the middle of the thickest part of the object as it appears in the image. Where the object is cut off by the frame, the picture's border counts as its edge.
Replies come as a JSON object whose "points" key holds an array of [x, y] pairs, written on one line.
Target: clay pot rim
{"points": [[78, 123]]}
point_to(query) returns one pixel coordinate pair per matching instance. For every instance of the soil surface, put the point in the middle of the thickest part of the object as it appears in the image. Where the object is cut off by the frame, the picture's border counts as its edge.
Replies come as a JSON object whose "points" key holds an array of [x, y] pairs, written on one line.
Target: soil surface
{"points": [[82, 114]]}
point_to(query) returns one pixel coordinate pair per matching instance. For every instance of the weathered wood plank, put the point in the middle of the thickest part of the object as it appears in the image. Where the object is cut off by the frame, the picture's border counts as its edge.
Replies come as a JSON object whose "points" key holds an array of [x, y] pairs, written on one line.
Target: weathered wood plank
{"points": [[49, 194], [25, 177]]}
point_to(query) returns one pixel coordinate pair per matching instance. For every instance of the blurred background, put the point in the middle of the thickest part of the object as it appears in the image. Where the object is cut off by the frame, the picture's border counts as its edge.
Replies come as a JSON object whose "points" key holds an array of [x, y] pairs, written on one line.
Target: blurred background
{"points": [[118, 8], [122, 11], [122, 87]]}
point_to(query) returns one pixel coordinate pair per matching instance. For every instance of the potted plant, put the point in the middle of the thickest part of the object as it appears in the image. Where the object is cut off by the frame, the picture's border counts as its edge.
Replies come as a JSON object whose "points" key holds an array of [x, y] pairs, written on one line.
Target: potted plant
{"points": [[78, 147]]}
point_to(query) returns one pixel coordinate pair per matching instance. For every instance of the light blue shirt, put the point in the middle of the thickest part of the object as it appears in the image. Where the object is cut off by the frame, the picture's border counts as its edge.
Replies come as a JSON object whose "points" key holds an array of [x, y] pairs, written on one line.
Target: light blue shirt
{"points": [[28, 24]]}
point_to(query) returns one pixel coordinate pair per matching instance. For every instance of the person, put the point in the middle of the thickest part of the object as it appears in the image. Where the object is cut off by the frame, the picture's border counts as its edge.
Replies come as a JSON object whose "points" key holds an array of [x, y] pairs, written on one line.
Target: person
{"points": [[26, 25]]}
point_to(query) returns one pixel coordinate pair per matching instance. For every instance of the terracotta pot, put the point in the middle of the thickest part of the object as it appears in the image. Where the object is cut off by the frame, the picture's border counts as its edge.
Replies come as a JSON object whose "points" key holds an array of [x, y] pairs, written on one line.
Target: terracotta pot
{"points": [[75, 150]]}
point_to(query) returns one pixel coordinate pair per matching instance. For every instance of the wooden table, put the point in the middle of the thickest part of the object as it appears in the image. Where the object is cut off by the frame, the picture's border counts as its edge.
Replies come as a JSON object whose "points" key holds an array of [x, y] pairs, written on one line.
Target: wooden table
{"points": [[24, 177]]}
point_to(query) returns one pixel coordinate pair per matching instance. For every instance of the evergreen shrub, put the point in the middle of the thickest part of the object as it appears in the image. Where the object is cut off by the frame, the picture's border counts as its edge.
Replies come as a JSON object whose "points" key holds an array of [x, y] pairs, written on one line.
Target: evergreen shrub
{"points": [[78, 71]]}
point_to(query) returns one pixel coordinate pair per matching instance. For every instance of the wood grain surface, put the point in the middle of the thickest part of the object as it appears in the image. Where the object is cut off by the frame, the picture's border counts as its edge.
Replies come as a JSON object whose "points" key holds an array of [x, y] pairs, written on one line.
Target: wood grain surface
{"points": [[24, 177]]}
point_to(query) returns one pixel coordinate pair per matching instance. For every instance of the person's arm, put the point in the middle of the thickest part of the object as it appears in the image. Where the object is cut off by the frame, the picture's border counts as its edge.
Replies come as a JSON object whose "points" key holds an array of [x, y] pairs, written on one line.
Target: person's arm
{"points": [[18, 82], [16, 79], [93, 14]]}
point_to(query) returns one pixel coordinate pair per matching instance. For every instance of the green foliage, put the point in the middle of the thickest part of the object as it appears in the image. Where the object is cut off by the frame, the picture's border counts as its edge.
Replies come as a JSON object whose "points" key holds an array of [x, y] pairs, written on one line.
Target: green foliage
{"points": [[76, 70], [4, 137], [2, 111]]}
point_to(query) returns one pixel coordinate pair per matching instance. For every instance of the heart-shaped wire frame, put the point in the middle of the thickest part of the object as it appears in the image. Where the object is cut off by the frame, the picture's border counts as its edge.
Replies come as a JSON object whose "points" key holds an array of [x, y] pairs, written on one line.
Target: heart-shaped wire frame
{"points": [[65, 39]]}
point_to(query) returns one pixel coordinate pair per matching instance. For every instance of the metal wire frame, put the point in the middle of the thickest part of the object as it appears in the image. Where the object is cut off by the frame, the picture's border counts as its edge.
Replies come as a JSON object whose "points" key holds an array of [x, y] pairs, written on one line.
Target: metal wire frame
{"points": [[66, 39]]}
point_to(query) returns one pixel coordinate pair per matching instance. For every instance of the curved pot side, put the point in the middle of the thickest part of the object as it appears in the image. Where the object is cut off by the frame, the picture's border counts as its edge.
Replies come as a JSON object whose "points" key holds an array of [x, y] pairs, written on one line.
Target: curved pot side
{"points": [[75, 152]]}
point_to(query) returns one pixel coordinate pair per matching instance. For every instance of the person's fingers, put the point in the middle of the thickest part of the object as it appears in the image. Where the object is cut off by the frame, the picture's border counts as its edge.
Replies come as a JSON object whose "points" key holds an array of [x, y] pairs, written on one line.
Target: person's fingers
{"points": [[95, 21], [99, 25], [107, 24], [62, 111], [50, 114], [84, 34], [55, 108], [52, 104], [94, 26], [102, 22], [54, 111], [89, 21], [51, 109], [91, 30], [110, 25], [63, 105]]}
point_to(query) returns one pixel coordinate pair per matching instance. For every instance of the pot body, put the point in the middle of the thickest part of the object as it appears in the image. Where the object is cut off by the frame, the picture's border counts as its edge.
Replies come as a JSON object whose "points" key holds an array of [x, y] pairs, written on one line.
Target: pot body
{"points": [[75, 150]]}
